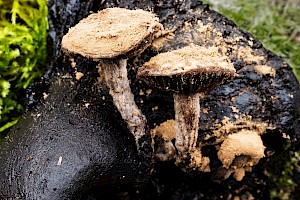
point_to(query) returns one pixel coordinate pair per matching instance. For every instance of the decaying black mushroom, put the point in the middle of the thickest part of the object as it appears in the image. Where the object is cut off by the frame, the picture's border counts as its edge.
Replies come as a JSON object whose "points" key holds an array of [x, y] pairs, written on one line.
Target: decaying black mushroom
{"points": [[189, 72], [110, 37]]}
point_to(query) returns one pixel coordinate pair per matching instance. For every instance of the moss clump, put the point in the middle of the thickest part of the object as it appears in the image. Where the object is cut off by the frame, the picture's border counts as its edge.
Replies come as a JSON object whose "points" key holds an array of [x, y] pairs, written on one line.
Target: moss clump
{"points": [[23, 33], [282, 168]]}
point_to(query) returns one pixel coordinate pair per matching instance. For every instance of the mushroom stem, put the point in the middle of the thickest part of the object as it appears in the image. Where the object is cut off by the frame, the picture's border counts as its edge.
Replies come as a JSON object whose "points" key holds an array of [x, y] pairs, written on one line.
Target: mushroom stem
{"points": [[187, 113], [115, 73]]}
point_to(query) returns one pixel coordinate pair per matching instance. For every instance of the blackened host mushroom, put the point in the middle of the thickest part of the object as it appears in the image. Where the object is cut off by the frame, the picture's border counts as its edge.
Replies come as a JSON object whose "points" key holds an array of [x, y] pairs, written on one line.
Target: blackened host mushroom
{"points": [[188, 72], [110, 37]]}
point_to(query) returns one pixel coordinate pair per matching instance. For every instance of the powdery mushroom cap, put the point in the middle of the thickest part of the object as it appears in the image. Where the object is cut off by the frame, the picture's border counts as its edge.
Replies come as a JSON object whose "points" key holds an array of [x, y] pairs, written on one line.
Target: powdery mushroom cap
{"points": [[192, 69], [244, 143], [164, 149], [166, 130], [111, 32]]}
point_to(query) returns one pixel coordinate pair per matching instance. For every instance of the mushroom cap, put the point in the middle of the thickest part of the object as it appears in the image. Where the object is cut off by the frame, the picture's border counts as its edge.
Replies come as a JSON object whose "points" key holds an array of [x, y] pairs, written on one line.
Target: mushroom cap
{"points": [[245, 143], [111, 32], [192, 69], [166, 130]]}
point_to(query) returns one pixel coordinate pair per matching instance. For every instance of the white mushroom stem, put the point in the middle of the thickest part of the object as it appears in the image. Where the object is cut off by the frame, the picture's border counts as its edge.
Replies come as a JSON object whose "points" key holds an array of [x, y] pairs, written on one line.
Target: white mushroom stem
{"points": [[115, 73], [187, 113]]}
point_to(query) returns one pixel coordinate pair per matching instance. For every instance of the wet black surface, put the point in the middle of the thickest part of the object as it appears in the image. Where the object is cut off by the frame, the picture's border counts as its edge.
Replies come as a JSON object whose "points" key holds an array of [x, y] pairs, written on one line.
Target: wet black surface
{"points": [[78, 122], [93, 152]]}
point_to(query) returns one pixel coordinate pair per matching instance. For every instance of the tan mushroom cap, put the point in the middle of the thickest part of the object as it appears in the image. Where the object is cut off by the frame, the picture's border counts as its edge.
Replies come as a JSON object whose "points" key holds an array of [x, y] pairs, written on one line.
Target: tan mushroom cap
{"points": [[243, 143], [111, 32], [191, 69]]}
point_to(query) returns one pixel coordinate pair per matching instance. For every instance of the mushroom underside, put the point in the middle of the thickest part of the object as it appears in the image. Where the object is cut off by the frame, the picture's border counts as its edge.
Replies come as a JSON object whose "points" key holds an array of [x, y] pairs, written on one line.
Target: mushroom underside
{"points": [[187, 83]]}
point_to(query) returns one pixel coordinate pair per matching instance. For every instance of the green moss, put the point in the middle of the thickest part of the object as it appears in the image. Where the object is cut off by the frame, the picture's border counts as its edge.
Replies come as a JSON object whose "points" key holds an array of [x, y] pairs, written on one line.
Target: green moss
{"points": [[281, 169], [23, 33]]}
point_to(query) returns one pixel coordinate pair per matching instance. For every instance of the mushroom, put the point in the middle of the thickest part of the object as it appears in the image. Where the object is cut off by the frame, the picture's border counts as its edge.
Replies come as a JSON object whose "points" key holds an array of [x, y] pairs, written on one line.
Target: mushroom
{"points": [[163, 135], [241, 150], [189, 72], [110, 37]]}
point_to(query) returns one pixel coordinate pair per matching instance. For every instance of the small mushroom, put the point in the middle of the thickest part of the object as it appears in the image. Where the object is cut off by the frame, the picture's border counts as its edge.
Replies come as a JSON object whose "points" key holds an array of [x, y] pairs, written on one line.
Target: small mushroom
{"points": [[241, 150], [189, 72], [111, 36], [163, 135], [244, 143]]}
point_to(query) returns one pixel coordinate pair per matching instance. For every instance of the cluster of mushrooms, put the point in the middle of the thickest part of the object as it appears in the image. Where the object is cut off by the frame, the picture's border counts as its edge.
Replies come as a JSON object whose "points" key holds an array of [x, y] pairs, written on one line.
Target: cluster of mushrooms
{"points": [[113, 35]]}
